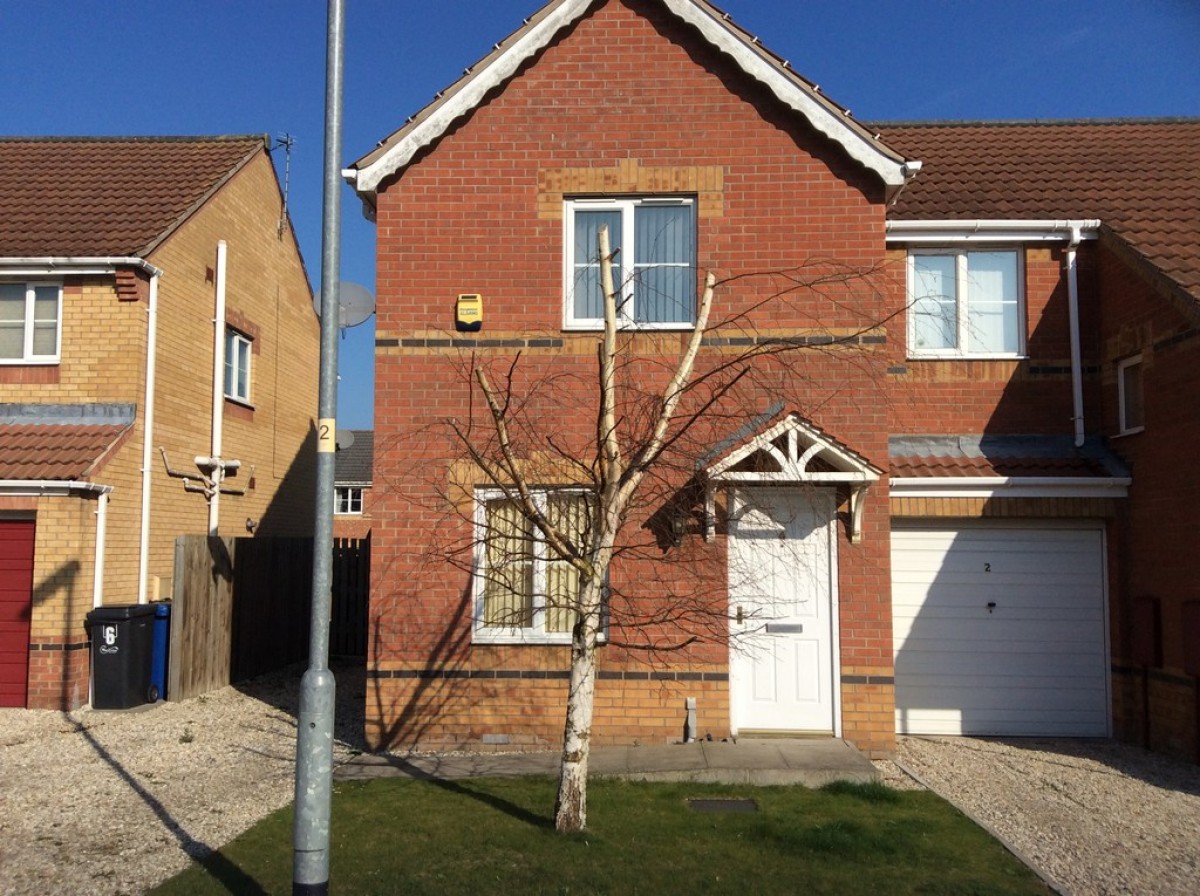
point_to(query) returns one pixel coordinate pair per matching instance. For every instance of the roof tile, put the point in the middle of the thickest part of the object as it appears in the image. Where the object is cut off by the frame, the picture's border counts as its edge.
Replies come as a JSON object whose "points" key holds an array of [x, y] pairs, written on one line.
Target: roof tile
{"points": [[106, 196], [55, 452], [1140, 177]]}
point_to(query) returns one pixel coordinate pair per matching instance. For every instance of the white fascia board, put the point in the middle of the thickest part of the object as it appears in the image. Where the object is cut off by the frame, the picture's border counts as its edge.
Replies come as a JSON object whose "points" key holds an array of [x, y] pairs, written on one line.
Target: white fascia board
{"points": [[992, 231], [830, 123], [52, 265], [36, 488], [821, 117], [1009, 487], [367, 180]]}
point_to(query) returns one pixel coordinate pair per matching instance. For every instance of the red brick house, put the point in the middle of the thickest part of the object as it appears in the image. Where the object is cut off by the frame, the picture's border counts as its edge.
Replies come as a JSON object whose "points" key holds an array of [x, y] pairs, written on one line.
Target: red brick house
{"points": [[919, 508]]}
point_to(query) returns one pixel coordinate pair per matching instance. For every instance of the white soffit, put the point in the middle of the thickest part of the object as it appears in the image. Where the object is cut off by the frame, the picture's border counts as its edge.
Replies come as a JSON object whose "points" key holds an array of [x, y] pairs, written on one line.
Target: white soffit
{"points": [[986, 230], [469, 92], [1009, 487]]}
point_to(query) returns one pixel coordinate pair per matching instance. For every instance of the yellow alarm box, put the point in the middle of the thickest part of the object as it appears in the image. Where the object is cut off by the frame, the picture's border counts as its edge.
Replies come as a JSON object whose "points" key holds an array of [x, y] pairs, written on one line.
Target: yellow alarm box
{"points": [[468, 312]]}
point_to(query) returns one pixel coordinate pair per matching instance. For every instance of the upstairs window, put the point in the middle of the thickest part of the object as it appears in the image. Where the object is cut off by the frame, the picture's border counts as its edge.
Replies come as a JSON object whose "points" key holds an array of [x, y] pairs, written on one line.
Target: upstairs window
{"points": [[348, 500], [525, 592], [1131, 408], [237, 365], [30, 323], [654, 271], [965, 304]]}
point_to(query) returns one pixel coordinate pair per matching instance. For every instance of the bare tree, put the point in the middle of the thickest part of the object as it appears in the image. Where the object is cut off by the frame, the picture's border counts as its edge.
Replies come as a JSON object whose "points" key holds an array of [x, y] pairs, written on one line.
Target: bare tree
{"points": [[653, 420]]}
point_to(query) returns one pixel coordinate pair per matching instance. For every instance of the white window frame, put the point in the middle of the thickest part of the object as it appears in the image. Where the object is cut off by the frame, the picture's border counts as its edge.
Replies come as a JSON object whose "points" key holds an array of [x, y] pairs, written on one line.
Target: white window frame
{"points": [[536, 633], [27, 354], [626, 314], [1123, 398], [963, 303], [353, 495], [243, 347]]}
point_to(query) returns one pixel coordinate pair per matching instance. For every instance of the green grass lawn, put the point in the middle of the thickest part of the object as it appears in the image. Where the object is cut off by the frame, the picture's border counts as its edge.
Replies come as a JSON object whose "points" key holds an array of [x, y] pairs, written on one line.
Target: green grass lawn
{"points": [[397, 836]]}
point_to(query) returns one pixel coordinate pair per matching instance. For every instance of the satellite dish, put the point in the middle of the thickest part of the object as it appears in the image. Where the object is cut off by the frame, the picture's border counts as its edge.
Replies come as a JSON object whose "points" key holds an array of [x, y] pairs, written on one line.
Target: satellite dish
{"points": [[355, 304], [345, 439]]}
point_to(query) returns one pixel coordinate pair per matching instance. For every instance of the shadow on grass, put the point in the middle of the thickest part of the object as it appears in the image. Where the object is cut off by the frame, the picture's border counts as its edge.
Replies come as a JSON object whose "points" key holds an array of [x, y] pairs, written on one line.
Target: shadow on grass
{"points": [[230, 875], [520, 813]]}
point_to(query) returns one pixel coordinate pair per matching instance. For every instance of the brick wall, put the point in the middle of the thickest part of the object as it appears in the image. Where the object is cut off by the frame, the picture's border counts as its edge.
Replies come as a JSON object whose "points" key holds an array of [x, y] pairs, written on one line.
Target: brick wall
{"points": [[478, 214], [1156, 547]]}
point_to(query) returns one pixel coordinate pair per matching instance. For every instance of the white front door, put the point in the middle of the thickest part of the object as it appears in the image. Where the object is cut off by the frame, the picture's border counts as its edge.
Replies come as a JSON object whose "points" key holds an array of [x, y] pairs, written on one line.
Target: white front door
{"points": [[781, 602]]}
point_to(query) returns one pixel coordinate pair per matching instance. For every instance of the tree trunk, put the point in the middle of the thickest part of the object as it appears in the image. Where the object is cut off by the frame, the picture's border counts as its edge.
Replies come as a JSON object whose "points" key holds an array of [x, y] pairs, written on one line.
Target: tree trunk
{"points": [[570, 808]]}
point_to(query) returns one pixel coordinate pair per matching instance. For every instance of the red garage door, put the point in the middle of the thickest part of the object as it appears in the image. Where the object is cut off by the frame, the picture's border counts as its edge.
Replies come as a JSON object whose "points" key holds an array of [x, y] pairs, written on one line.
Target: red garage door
{"points": [[16, 602]]}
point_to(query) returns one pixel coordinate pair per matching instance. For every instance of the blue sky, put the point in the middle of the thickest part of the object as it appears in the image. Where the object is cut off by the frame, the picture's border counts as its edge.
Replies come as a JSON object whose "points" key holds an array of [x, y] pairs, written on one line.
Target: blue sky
{"points": [[137, 67]]}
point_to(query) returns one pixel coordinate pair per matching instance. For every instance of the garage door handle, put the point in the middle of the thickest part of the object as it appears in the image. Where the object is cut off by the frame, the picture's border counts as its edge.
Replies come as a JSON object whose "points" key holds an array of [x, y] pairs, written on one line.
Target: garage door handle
{"points": [[991, 605]]}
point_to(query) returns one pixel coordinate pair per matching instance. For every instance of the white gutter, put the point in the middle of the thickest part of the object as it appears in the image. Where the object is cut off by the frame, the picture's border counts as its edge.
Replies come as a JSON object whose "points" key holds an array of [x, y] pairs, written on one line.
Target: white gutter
{"points": [[101, 538], [83, 264], [1076, 350], [992, 230], [218, 389], [50, 488], [1009, 487], [148, 437]]}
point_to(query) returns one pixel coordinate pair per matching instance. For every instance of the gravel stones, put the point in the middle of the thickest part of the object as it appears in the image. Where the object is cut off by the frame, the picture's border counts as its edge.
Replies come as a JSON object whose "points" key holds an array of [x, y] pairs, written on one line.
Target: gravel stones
{"points": [[115, 802], [1096, 816]]}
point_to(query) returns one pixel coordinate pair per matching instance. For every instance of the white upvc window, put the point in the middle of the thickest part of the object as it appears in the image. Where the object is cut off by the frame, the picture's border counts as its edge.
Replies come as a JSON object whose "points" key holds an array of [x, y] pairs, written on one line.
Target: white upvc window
{"points": [[30, 323], [238, 349], [1130, 404], [525, 592], [654, 270], [348, 500], [966, 303]]}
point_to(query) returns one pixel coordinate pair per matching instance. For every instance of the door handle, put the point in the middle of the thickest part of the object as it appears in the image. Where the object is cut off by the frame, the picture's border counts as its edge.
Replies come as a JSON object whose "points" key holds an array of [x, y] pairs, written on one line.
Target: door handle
{"points": [[739, 616]]}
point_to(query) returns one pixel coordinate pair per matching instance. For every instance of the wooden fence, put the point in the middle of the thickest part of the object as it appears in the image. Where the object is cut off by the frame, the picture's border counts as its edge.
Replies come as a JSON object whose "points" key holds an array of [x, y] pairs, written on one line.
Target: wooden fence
{"points": [[351, 593], [240, 607]]}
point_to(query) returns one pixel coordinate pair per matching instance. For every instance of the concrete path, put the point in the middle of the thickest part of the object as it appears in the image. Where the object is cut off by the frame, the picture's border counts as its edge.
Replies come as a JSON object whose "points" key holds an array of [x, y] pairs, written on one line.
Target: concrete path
{"points": [[812, 762]]}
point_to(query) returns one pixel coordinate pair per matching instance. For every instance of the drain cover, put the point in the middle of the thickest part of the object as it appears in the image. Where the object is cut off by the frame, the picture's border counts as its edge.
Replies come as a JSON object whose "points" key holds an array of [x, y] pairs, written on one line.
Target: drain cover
{"points": [[699, 805]]}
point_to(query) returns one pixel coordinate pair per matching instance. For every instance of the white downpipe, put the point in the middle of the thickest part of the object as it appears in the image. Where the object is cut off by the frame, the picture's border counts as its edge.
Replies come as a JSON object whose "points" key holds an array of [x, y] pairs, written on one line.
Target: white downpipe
{"points": [[101, 538], [218, 391], [148, 437], [1076, 350]]}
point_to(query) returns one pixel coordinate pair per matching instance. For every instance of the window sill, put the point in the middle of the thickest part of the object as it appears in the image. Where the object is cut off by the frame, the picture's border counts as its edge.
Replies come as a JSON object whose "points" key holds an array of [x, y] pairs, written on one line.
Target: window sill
{"points": [[239, 410], [485, 638], [997, 357], [630, 328], [30, 362]]}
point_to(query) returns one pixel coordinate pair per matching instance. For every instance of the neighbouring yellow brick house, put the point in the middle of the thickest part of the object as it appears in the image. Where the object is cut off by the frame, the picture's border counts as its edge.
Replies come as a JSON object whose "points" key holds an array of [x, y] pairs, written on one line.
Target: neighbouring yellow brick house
{"points": [[158, 377]]}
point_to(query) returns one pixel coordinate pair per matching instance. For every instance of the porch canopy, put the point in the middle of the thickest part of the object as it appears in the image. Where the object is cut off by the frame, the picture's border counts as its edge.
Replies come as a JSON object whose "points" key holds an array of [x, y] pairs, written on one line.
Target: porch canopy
{"points": [[793, 451]]}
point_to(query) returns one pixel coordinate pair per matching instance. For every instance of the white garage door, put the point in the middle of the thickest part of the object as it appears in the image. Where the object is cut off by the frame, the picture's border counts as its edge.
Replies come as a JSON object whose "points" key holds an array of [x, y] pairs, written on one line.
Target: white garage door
{"points": [[1000, 630]]}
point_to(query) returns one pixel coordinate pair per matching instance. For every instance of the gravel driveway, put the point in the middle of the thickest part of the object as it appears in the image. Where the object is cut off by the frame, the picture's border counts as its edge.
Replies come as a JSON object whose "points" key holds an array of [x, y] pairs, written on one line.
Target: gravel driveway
{"points": [[109, 803], [116, 802], [1096, 816]]}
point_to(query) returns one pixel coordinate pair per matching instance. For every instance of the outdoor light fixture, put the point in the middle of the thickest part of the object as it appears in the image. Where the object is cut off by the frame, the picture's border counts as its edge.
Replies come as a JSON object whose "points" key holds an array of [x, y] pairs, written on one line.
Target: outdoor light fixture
{"points": [[679, 526]]}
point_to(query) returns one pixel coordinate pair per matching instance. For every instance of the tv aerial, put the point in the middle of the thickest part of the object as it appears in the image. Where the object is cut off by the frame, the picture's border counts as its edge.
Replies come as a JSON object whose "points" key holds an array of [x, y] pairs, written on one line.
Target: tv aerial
{"points": [[355, 304]]}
